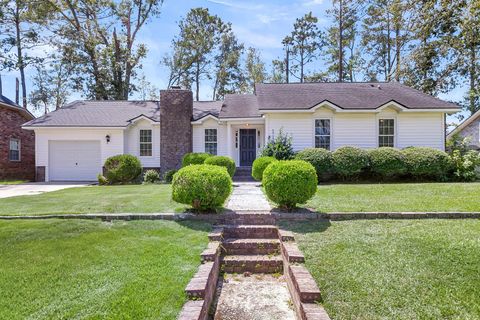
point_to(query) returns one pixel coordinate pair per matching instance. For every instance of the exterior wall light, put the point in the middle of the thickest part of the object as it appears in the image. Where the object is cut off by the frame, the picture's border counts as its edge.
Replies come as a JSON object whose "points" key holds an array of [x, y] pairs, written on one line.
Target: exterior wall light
{"points": [[107, 137]]}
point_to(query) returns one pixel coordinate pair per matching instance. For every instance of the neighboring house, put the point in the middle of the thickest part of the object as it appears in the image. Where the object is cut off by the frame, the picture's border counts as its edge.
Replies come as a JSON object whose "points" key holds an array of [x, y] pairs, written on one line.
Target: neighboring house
{"points": [[17, 146], [470, 128], [73, 142]]}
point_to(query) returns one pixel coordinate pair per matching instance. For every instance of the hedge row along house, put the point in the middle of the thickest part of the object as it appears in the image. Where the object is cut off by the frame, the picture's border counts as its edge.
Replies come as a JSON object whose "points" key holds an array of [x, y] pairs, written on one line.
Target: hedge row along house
{"points": [[17, 146], [73, 142]]}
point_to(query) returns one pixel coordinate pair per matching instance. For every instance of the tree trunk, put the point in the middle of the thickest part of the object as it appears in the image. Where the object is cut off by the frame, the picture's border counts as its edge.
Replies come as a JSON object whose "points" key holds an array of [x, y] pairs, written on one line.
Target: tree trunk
{"points": [[302, 59], [397, 53], [287, 65], [472, 72], [20, 61], [389, 48], [340, 43], [197, 82]]}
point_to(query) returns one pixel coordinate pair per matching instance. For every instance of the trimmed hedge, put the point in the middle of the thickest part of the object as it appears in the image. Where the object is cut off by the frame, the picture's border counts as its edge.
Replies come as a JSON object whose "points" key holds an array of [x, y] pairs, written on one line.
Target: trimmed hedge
{"points": [[194, 158], [223, 161], [168, 176], [289, 183], [122, 168], [259, 165], [204, 187], [349, 161], [387, 162], [427, 163], [319, 158]]}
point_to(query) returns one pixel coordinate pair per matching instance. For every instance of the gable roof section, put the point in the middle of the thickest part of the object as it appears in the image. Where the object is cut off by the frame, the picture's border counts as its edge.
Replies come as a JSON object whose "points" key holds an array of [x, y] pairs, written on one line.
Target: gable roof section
{"points": [[9, 104], [98, 114], [202, 109], [347, 96], [465, 123]]}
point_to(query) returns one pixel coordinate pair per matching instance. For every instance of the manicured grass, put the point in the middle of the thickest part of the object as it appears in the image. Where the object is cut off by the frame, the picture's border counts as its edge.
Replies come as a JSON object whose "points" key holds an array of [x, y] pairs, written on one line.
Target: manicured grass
{"points": [[391, 269], [95, 199], [79, 269], [12, 181], [397, 197]]}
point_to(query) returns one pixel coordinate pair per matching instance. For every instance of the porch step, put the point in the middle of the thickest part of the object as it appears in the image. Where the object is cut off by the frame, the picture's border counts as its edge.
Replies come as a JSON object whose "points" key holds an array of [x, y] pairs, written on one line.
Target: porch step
{"points": [[253, 264], [252, 246], [251, 218], [250, 231], [243, 174]]}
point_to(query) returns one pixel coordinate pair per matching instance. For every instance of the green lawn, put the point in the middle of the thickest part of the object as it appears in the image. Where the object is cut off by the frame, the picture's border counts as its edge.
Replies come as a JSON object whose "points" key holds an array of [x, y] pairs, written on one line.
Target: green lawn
{"points": [[391, 269], [397, 197], [12, 181], [95, 199], [79, 269]]}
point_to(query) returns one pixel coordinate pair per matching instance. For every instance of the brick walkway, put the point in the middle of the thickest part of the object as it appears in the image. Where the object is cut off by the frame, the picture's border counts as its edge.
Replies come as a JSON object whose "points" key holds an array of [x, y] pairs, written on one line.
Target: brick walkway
{"points": [[248, 196]]}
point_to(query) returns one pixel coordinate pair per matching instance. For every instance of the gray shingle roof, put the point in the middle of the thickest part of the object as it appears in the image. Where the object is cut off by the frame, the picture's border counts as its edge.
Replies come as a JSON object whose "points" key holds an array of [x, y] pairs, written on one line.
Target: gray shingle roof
{"points": [[344, 95], [204, 108], [98, 114], [240, 106]]}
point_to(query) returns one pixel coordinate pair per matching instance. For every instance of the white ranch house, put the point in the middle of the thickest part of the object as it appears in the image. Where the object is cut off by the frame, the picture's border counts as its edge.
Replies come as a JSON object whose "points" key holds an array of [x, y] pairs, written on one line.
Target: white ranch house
{"points": [[73, 143]]}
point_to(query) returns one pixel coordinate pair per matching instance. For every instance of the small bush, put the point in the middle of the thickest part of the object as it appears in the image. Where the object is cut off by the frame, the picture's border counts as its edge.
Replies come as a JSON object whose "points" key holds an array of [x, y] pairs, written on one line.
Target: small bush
{"points": [[427, 163], [349, 161], [168, 176], [259, 166], [151, 176], [279, 147], [202, 186], [319, 158], [222, 161], [465, 165], [387, 162], [194, 158], [123, 168], [102, 181], [289, 183]]}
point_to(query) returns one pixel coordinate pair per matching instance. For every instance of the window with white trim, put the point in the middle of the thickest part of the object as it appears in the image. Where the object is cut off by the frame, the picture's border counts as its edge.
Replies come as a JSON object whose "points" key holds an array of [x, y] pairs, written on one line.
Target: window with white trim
{"points": [[211, 141], [14, 151], [386, 133], [322, 133], [145, 143]]}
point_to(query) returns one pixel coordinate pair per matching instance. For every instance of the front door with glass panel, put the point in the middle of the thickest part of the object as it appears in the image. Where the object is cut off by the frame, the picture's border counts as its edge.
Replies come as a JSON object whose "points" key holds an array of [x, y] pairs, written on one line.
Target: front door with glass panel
{"points": [[248, 148]]}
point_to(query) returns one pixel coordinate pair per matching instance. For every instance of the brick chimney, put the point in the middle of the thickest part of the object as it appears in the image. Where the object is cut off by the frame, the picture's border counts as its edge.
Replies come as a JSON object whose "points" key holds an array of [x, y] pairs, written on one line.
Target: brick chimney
{"points": [[176, 110]]}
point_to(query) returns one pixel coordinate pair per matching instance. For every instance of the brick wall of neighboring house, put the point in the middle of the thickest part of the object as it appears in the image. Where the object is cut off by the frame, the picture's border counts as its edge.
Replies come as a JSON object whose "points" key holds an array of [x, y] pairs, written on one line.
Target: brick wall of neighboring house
{"points": [[10, 127], [176, 108], [473, 132]]}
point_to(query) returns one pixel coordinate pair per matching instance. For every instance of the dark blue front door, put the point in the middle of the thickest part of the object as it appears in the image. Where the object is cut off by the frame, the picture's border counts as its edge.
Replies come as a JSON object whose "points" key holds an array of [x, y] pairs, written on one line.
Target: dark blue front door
{"points": [[248, 148]]}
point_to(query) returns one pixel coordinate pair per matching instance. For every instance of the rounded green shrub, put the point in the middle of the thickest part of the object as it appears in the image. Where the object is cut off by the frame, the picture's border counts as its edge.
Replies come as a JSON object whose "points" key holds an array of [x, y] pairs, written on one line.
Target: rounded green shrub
{"points": [[319, 158], [194, 158], [151, 176], [289, 183], [122, 168], [102, 181], [387, 162], [259, 165], [202, 186], [168, 176], [427, 163], [349, 161], [223, 161]]}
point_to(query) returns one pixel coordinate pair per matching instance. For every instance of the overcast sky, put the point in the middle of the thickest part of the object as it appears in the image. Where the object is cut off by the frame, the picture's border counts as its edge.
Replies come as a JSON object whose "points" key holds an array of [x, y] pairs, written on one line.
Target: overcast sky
{"points": [[261, 24]]}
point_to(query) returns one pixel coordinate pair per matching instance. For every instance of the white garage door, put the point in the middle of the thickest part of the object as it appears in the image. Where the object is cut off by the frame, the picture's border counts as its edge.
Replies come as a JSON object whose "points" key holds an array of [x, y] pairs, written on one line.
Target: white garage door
{"points": [[74, 160]]}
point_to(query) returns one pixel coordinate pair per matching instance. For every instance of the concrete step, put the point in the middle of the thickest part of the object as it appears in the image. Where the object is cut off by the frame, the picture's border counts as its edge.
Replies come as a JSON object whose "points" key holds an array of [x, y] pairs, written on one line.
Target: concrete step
{"points": [[243, 179], [253, 264], [251, 218], [250, 231], [251, 246]]}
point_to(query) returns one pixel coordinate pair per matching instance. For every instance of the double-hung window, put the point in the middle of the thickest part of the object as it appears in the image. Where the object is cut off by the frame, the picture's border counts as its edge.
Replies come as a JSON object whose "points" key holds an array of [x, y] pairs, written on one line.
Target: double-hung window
{"points": [[14, 151], [322, 133], [386, 133], [145, 143], [211, 141]]}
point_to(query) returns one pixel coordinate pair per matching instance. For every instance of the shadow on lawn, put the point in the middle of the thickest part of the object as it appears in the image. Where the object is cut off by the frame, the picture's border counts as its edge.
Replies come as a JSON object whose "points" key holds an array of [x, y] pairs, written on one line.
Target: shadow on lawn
{"points": [[196, 225]]}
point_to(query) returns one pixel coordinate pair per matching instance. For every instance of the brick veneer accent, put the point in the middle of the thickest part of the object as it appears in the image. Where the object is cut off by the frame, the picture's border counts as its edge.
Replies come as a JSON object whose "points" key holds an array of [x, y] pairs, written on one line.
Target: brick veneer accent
{"points": [[176, 108], [10, 127]]}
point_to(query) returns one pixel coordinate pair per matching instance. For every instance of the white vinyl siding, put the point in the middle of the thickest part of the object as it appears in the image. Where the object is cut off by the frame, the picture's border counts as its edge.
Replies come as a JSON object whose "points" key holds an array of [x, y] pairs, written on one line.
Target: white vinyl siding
{"points": [[132, 142], [199, 136], [360, 129]]}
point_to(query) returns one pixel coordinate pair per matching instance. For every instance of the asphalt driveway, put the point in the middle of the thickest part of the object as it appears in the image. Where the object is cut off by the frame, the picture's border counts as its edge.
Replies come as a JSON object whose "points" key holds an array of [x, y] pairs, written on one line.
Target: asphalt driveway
{"points": [[32, 188]]}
